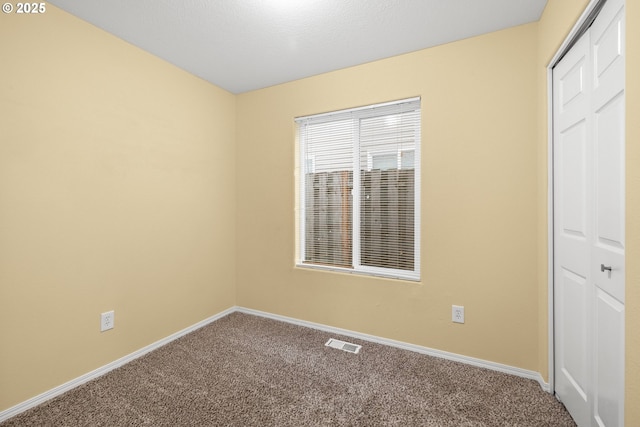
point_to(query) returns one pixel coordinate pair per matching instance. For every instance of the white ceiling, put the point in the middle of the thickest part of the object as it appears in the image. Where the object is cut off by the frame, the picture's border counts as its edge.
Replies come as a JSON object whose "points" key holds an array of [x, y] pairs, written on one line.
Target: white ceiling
{"points": [[242, 45]]}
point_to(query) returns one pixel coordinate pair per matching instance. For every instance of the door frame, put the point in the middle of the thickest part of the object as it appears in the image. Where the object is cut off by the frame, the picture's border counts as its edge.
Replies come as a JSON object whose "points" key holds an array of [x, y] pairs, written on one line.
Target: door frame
{"points": [[579, 28]]}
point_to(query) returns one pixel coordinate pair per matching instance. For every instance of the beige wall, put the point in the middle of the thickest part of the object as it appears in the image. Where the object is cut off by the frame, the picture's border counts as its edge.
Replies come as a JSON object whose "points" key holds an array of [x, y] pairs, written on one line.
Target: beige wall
{"points": [[479, 186], [116, 192], [632, 376]]}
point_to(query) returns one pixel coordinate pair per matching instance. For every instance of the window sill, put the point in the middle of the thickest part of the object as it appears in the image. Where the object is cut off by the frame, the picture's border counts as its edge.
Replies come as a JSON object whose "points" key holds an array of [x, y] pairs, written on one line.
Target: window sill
{"points": [[374, 272]]}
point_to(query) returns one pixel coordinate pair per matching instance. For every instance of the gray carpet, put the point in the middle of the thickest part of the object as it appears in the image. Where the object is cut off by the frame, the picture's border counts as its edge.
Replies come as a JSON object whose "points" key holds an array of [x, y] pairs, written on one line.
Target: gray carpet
{"points": [[244, 370]]}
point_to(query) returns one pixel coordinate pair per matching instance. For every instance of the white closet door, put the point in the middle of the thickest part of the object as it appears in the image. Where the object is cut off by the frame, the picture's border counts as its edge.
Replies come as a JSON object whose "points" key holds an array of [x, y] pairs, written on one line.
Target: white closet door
{"points": [[572, 230], [589, 119]]}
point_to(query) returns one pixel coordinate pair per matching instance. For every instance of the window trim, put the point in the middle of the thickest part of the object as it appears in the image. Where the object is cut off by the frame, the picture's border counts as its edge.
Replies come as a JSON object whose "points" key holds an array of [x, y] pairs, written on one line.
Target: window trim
{"points": [[301, 159]]}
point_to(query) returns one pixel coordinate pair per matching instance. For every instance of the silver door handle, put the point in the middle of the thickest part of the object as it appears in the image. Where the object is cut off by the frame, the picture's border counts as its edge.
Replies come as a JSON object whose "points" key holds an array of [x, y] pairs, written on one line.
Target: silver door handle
{"points": [[603, 268]]}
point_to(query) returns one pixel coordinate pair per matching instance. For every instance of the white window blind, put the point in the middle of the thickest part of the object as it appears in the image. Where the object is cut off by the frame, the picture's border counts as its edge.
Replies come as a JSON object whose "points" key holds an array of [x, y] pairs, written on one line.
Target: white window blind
{"points": [[359, 189]]}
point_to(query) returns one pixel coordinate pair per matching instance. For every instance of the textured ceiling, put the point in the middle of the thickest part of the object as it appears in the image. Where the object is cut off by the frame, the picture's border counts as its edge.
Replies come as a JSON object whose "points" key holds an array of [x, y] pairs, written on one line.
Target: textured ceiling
{"points": [[242, 45]]}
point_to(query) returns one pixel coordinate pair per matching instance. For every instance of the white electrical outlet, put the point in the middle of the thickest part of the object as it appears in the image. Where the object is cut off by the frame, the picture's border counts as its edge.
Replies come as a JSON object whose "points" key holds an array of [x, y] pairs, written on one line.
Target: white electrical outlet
{"points": [[457, 314], [106, 320]]}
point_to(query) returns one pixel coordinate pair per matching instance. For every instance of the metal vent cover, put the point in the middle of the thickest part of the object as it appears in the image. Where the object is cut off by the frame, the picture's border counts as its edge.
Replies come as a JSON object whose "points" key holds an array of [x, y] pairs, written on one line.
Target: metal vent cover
{"points": [[342, 345]]}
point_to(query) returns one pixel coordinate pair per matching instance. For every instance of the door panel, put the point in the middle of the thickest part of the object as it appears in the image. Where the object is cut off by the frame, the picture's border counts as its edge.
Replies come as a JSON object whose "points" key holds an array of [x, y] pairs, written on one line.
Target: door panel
{"points": [[572, 230], [610, 174], [572, 84], [574, 177], [609, 361], [608, 48], [609, 246], [572, 296]]}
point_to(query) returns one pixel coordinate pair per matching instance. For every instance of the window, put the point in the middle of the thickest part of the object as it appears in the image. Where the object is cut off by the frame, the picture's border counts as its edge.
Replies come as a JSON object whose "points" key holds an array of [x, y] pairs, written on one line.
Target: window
{"points": [[359, 190]]}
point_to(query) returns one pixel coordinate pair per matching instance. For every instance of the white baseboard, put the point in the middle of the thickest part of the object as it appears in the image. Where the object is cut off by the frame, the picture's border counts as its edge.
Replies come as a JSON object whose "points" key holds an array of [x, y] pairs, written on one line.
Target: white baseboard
{"points": [[406, 346], [50, 394], [63, 388]]}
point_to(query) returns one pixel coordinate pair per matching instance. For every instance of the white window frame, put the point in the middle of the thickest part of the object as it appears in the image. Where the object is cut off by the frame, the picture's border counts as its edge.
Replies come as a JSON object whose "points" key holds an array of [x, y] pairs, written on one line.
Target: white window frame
{"points": [[302, 160]]}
